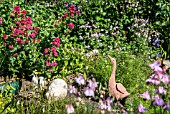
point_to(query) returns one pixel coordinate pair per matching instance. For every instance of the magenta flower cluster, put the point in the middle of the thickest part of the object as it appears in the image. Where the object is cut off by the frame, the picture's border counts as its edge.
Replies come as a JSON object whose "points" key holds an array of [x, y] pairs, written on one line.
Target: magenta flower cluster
{"points": [[20, 34]]}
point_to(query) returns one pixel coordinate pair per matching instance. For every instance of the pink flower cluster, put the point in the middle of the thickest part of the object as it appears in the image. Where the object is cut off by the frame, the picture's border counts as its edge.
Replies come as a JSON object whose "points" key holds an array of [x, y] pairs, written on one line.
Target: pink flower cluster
{"points": [[56, 42], [22, 26], [72, 10], [51, 64]]}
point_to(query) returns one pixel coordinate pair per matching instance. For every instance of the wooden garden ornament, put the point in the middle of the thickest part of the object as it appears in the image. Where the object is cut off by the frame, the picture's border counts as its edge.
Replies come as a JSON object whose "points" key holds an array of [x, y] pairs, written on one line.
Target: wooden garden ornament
{"points": [[117, 90]]}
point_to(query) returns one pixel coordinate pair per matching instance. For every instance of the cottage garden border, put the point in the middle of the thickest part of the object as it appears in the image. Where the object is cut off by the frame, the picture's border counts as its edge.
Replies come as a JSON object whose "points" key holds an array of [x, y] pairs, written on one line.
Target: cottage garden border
{"points": [[24, 33]]}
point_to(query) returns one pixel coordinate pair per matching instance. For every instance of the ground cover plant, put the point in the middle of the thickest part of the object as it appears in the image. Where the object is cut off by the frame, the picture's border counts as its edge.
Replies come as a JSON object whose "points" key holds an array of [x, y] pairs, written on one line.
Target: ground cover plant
{"points": [[53, 39]]}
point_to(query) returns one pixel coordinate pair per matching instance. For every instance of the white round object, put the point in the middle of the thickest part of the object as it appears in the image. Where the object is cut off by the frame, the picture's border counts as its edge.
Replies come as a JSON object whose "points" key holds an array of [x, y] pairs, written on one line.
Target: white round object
{"points": [[57, 89]]}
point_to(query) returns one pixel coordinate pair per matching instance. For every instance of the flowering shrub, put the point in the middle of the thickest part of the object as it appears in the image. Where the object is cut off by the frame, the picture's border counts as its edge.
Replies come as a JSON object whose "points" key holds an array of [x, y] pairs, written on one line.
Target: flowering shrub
{"points": [[22, 46]]}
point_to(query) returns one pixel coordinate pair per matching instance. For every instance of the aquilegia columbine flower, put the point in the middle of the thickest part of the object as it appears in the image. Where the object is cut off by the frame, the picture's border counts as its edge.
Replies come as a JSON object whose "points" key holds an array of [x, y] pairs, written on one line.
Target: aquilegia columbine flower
{"points": [[141, 108], [158, 101], [72, 89], [69, 108], [146, 95], [92, 84], [160, 90], [89, 92], [80, 80], [156, 66], [167, 106]]}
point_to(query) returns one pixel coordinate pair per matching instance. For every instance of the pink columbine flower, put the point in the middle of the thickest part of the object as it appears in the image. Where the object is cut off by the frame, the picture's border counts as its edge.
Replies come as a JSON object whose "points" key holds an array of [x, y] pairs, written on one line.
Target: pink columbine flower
{"points": [[146, 95], [0, 20], [160, 90], [141, 108], [89, 92], [69, 108], [10, 47], [71, 25], [80, 80], [5, 36]]}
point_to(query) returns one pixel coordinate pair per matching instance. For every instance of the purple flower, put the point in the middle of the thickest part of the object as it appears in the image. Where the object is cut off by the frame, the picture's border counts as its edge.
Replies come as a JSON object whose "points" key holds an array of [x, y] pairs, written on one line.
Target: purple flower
{"points": [[80, 80], [92, 83], [102, 104], [109, 103], [89, 92], [158, 101], [159, 54], [165, 79], [155, 97], [167, 106], [153, 81], [157, 43], [160, 90], [158, 75], [141, 108], [72, 89], [70, 108], [146, 95], [156, 66]]}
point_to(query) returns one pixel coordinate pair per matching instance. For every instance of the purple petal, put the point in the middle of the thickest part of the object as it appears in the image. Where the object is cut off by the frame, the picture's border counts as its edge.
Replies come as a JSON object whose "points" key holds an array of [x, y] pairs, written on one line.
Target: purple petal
{"points": [[154, 64], [167, 106], [70, 108], [89, 92], [158, 102], [160, 90], [141, 108], [146, 95], [72, 89], [165, 79], [92, 84], [80, 80], [153, 81]]}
